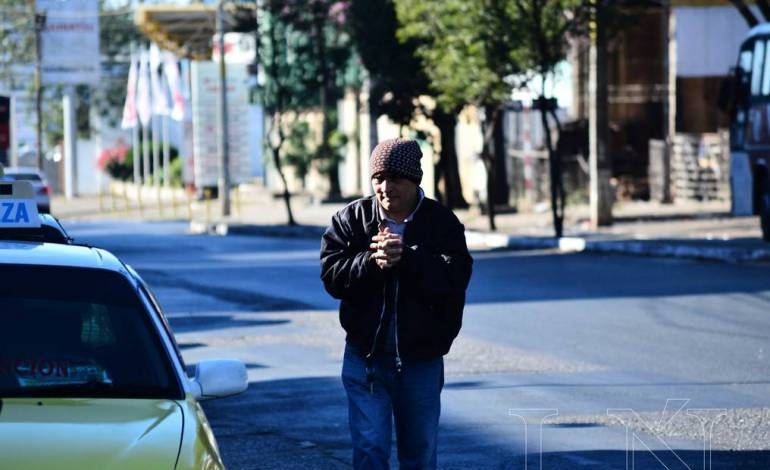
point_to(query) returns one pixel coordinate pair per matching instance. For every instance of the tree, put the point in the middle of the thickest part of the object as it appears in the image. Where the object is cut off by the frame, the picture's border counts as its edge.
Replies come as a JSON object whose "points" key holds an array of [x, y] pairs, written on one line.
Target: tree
{"points": [[398, 80], [279, 93], [311, 64], [468, 50], [17, 39], [545, 27], [322, 52]]}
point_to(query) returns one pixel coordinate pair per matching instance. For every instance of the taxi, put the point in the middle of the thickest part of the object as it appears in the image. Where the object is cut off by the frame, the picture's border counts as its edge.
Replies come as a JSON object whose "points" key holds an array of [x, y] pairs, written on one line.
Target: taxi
{"points": [[90, 374]]}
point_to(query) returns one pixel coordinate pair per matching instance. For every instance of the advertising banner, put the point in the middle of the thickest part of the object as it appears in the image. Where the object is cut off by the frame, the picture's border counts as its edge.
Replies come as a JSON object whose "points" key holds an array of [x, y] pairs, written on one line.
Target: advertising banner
{"points": [[205, 112], [69, 41]]}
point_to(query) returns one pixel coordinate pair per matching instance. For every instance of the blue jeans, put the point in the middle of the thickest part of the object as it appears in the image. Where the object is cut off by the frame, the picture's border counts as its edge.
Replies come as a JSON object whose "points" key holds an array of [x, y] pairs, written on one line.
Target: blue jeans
{"points": [[411, 401]]}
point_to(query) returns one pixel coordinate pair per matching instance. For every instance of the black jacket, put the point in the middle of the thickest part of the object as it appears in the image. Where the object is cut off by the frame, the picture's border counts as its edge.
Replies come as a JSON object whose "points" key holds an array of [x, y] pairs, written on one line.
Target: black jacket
{"points": [[432, 275]]}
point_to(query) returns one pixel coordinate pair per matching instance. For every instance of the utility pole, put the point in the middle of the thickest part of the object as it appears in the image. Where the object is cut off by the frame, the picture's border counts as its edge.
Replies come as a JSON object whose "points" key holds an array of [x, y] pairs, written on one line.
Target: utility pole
{"points": [[598, 130], [40, 19], [224, 148], [668, 85]]}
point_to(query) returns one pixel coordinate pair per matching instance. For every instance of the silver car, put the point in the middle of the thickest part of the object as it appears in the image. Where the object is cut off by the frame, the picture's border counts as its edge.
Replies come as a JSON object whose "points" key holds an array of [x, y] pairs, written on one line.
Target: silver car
{"points": [[38, 180]]}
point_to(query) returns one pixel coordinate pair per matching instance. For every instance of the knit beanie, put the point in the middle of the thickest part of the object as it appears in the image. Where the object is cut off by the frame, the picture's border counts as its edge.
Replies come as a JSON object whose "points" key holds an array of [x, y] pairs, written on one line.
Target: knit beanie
{"points": [[400, 157]]}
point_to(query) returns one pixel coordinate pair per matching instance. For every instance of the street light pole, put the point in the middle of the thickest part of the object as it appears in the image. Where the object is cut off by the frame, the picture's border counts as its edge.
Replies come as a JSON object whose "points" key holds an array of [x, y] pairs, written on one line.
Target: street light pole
{"points": [[40, 19], [224, 147]]}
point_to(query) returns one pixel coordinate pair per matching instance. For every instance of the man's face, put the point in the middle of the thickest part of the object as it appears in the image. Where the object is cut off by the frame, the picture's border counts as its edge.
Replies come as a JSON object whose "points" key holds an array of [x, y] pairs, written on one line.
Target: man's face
{"points": [[396, 195]]}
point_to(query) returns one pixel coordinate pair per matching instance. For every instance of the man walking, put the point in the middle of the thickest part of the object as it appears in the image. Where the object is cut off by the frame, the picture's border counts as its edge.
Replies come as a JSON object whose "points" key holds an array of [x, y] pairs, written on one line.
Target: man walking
{"points": [[400, 266]]}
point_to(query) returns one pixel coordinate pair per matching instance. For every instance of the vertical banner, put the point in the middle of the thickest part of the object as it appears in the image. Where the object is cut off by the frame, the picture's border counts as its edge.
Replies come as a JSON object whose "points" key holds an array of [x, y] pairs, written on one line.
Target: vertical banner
{"points": [[129, 108], [205, 103], [171, 70], [69, 42], [143, 104], [159, 98]]}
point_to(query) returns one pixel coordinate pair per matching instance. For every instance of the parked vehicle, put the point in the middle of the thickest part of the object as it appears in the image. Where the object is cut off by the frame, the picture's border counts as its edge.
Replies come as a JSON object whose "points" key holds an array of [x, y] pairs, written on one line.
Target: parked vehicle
{"points": [[90, 373], [746, 97], [38, 180]]}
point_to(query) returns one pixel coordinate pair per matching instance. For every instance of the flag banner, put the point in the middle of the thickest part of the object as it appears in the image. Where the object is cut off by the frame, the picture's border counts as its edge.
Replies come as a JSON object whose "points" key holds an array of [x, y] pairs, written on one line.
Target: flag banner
{"points": [[143, 104], [159, 94], [129, 108], [171, 70]]}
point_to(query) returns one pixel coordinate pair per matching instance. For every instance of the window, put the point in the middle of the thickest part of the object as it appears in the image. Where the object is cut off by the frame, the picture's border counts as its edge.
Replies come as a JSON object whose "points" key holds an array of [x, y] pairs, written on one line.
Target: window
{"points": [[756, 69], [766, 73], [69, 332]]}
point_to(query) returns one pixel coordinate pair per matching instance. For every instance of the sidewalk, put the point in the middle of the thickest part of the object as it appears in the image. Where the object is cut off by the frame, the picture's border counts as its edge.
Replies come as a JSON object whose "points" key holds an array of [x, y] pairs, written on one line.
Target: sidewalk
{"points": [[702, 230]]}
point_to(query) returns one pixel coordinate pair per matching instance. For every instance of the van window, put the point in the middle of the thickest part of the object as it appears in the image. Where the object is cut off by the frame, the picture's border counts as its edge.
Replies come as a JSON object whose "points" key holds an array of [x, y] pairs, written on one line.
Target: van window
{"points": [[756, 69], [766, 73]]}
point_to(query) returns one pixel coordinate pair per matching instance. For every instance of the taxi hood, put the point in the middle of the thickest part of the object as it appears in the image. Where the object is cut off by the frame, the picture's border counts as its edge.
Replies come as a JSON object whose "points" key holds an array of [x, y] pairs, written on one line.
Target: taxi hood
{"points": [[119, 434]]}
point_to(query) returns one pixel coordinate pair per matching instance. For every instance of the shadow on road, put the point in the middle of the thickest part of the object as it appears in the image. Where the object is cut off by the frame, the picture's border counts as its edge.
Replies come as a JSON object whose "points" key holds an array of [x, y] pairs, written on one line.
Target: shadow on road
{"points": [[302, 423], [532, 277]]}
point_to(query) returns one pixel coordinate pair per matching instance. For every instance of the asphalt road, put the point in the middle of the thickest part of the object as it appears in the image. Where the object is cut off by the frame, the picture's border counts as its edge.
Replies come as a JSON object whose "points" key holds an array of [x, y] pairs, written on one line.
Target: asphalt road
{"points": [[611, 361]]}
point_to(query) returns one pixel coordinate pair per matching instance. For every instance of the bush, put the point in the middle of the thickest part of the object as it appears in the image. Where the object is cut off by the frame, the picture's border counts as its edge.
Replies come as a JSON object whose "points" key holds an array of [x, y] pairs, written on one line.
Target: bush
{"points": [[118, 162]]}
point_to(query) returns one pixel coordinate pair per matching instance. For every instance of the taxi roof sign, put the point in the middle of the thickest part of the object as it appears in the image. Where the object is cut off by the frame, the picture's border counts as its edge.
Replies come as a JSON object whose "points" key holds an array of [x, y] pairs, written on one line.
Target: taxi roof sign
{"points": [[18, 208]]}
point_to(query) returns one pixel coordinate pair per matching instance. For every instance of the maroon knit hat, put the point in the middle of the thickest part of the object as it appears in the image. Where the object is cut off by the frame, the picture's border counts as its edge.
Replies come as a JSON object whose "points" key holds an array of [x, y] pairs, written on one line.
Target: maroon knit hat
{"points": [[400, 157]]}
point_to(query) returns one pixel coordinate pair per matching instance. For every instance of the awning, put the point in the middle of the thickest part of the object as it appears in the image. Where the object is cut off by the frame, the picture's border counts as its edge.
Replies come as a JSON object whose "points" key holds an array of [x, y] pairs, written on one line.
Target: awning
{"points": [[188, 30]]}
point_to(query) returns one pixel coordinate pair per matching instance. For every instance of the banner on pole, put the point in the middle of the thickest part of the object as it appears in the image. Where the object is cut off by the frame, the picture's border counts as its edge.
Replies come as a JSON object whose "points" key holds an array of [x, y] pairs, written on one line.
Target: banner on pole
{"points": [[69, 42], [143, 100], [206, 132], [129, 108]]}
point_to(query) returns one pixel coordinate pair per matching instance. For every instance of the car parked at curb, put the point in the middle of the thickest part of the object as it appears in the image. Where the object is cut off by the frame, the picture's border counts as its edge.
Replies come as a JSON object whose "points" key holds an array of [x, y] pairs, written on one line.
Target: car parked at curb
{"points": [[39, 184]]}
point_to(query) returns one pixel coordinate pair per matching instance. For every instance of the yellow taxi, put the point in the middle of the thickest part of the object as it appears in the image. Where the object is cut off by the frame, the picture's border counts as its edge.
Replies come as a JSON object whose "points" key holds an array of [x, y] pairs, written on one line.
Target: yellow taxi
{"points": [[90, 374]]}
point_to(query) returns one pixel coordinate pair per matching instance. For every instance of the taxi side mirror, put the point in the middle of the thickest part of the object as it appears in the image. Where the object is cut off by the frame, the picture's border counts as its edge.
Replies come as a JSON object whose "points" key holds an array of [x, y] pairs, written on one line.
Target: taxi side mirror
{"points": [[219, 378]]}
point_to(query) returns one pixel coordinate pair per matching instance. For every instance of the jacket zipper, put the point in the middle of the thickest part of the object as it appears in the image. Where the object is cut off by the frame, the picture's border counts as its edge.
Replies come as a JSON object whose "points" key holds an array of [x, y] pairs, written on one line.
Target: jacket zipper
{"points": [[399, 365], [370, 356]]}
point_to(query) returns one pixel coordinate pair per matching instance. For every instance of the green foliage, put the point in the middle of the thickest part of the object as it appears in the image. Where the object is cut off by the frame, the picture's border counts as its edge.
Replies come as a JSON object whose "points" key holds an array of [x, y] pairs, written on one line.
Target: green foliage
{"points": [[308, 62], [118, 162], [300, 41], [545, 27], [466, 45], [300, 150], [175, 173], [297, 152], [396, 72], [17, 40], [477, 51], [336, 143]]}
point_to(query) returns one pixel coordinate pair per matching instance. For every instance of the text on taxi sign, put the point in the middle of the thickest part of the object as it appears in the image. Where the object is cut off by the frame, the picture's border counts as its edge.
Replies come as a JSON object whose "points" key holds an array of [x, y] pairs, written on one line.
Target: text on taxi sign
{"points": [[13, 212]]}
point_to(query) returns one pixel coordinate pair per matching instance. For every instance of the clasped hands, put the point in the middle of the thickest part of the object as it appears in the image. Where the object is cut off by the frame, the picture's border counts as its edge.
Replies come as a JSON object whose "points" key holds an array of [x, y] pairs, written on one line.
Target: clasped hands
{"points": [[387, 248]]}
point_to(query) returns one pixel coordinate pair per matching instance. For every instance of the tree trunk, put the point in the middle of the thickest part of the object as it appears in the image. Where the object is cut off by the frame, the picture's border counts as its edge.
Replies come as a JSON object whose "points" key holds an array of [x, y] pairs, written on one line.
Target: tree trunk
{"points": [[447, 166], [488, 157], [275, 150], [554, 163], [500, 155], [325, 152]]}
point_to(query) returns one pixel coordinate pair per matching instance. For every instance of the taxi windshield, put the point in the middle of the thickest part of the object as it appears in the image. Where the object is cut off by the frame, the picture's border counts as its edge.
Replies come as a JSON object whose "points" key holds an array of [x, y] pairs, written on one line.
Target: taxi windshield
{"points": [[78, 333]]}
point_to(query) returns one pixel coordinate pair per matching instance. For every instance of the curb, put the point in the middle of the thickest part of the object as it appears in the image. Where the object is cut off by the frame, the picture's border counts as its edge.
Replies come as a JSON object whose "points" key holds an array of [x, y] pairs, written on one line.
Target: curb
{"points": [[280, 231], [672, 248]]}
